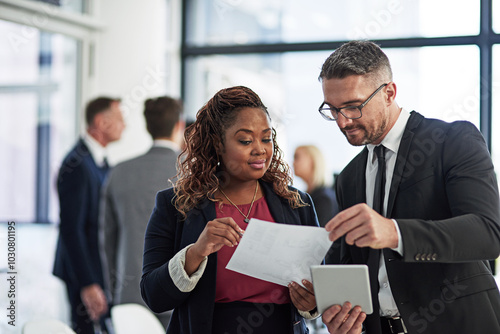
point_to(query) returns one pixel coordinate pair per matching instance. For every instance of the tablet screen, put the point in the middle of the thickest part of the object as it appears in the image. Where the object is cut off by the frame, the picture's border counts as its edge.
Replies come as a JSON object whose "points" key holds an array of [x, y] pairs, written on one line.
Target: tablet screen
{"points": [[336, 284]]}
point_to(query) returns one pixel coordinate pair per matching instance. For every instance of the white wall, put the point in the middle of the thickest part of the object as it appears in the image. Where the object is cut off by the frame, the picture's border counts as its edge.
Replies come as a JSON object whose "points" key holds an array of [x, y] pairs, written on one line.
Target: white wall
{"points": [[133, 62]]}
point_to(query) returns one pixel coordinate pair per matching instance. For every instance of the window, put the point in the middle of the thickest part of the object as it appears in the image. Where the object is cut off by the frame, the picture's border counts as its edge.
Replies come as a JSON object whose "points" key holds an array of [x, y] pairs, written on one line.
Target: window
{"points": [[44, 76], [227, 22], [38, 98], [73, 6], [277, 49]]}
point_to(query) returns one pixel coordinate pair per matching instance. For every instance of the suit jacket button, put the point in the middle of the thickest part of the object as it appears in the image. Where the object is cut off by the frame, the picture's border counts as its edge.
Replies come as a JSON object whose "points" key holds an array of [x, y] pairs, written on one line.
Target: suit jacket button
{"points": [[434, 257], [417, 257], [429, 256]]}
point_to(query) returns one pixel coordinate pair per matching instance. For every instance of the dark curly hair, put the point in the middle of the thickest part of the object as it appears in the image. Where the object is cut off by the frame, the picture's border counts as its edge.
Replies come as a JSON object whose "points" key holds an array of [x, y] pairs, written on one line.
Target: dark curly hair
{"points": [[199, 176]]}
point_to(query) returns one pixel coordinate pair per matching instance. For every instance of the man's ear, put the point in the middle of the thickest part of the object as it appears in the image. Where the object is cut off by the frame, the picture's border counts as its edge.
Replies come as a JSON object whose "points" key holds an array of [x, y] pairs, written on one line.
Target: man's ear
{"points": [[99, 121], [391, 90], [180, 126], [178, 132]]}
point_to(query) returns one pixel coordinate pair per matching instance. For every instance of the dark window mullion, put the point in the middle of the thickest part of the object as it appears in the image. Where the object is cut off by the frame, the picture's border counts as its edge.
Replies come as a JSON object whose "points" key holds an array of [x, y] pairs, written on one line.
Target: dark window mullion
{"points": [[486, 40]]}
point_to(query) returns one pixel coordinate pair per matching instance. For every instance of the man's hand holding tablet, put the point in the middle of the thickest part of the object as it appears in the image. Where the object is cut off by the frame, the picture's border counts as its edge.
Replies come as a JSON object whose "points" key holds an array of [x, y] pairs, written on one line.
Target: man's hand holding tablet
{"points": [[343, 296], [344, 319]]}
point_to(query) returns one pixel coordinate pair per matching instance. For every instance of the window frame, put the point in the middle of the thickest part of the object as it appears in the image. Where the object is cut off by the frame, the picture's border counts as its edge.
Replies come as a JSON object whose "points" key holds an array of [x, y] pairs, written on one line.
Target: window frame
{"points": [[82, 27], [484, 41]]}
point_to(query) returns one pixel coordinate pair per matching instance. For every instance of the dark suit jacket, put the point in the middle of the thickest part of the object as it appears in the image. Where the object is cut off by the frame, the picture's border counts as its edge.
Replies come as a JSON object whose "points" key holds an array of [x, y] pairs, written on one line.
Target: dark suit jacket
{"points": [[167, 234], [445, 199], [77, 260], [325, 203]]}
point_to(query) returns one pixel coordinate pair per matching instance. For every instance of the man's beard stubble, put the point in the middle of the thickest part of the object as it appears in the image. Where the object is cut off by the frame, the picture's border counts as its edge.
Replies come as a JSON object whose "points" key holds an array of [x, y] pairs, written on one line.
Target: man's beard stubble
{"points": [[367, 137]]}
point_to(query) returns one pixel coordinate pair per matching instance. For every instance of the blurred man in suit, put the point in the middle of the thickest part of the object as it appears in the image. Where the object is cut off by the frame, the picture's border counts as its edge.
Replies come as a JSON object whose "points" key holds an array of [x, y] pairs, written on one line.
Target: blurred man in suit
{"points": [[77, 260], [128, 198]]}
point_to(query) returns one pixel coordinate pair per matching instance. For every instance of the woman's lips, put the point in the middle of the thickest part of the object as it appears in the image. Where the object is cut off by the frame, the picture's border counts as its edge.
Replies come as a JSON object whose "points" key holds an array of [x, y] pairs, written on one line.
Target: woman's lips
{"points": [[258, 164]]}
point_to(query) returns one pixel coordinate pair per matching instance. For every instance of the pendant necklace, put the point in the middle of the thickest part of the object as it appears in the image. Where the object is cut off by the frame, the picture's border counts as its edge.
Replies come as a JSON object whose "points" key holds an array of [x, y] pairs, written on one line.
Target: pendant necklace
{"points": [[246, 220]]}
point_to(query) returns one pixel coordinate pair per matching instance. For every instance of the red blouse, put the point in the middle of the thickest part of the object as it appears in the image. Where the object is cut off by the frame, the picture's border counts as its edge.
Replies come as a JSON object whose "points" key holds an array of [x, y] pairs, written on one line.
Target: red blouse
{"points": [[232, 286]]}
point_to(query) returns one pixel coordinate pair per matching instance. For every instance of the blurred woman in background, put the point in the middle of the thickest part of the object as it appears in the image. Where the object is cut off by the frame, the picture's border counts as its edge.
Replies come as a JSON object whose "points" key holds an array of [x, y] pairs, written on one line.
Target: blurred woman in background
{"points": [[309, 165]]}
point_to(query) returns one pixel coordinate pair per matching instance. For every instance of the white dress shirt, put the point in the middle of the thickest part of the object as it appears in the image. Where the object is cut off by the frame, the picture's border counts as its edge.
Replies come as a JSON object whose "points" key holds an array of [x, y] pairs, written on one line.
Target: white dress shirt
{"points": [[391, 141], [167, 144], [97, 151]]}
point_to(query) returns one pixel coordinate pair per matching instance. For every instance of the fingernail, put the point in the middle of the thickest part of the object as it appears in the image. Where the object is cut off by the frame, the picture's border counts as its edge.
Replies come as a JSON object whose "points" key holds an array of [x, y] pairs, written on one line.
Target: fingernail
{"points": [[304, 281]]}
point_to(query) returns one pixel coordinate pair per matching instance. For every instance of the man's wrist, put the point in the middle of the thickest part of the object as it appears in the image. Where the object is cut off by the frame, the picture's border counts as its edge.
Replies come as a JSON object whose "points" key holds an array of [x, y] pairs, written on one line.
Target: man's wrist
{"points": [[399, 247]]}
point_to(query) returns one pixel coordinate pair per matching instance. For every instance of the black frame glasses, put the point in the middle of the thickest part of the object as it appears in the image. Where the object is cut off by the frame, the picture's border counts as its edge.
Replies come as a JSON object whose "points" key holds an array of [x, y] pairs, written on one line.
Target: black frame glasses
{"points": [[330, 113]]}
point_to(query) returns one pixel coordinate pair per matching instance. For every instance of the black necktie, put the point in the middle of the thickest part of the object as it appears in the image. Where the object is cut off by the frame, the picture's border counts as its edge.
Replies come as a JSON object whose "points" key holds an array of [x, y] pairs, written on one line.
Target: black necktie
{"points": [[379, 192], [378, 205], [105, 164]]}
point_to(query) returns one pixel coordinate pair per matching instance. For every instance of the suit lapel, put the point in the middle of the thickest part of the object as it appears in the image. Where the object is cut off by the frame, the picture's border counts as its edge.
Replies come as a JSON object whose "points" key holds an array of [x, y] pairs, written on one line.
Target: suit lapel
{"points": [[84, 153], [360, 192], [196, 221], [276, 208], [360, 179], [402, 158]]}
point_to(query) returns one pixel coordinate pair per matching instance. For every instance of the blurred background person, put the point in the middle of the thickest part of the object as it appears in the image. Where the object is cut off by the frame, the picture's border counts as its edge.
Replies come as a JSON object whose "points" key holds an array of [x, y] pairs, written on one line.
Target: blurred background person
{"points": [[128, 199], [82, 173], [309, 165]]}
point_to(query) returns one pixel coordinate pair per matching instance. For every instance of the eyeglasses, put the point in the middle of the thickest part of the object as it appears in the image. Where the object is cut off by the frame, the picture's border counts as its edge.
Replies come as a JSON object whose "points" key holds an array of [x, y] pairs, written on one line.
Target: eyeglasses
{"points": [[330, 113]]}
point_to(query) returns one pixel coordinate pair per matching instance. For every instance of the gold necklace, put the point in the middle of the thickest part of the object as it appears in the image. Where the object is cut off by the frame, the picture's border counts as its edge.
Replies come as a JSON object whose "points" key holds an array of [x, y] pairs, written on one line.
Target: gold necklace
{"points": [[246, 220]]}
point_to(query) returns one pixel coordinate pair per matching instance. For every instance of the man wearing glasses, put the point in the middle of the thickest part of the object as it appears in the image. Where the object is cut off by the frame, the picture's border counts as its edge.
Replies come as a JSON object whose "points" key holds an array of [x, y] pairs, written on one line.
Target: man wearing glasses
{"points": [[420, 207]]}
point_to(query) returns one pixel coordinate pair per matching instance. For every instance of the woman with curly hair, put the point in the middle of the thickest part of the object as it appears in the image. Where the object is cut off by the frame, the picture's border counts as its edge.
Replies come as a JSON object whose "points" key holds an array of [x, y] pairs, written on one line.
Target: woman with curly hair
{"points": [[230, 171]]}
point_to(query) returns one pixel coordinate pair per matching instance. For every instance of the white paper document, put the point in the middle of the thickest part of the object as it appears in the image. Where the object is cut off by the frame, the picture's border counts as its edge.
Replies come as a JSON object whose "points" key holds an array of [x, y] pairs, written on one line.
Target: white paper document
{"points": [[279, 253]]}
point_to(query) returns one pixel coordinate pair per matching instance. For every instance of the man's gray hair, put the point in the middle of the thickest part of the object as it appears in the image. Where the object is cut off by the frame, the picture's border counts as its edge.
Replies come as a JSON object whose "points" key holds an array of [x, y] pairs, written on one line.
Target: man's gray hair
{"points": [[357, 58]]}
